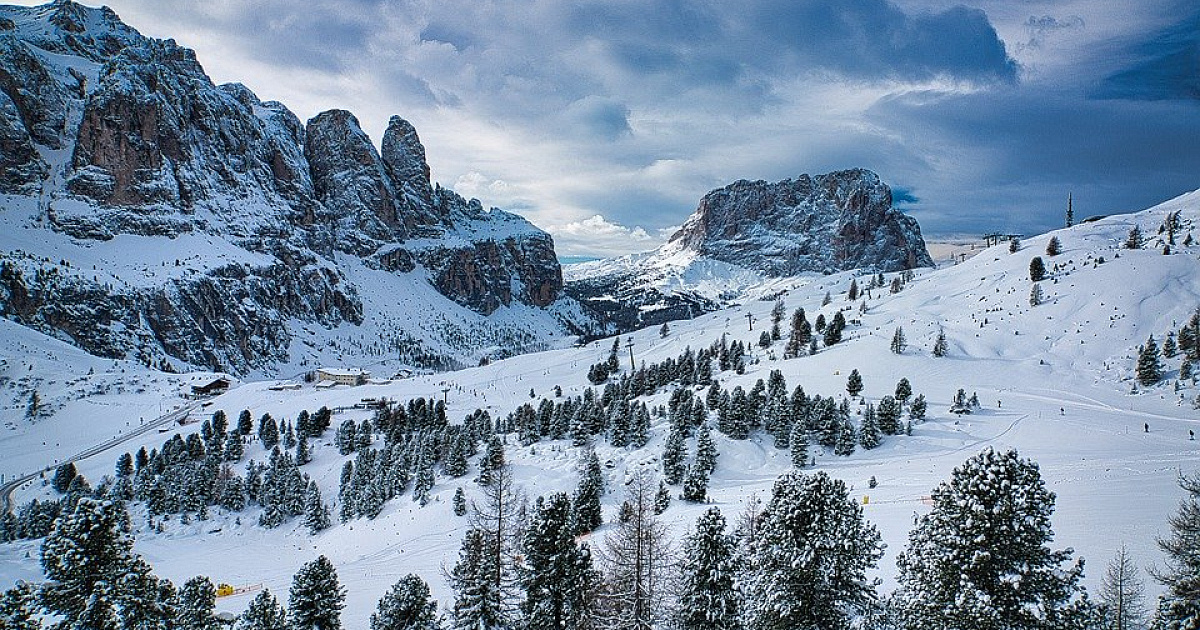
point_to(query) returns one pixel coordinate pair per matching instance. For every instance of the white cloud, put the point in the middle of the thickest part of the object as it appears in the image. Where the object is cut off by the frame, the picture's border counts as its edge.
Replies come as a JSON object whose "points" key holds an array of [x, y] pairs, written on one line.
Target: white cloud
{"points": [[596, 235]]}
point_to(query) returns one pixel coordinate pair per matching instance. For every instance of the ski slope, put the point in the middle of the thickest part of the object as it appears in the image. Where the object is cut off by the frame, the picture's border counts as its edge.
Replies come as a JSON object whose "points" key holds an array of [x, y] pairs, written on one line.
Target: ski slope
{"points": [[1055, 382]]}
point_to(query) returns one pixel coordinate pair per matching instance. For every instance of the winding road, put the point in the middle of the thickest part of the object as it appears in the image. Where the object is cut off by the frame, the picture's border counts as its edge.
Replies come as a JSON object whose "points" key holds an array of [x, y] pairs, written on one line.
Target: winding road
{"points": [[8, 488]]}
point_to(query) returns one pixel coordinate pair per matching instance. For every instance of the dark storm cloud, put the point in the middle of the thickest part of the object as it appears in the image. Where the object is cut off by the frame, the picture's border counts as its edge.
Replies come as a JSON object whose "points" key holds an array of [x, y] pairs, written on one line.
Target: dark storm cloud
{"points": [[1018, 154], [1164, 65]]}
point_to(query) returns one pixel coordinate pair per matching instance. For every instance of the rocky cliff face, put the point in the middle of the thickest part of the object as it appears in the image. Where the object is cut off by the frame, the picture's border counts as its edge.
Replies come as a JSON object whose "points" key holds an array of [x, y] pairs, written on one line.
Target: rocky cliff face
{"points": [[118, 135], [747, 232], [824, 223]]}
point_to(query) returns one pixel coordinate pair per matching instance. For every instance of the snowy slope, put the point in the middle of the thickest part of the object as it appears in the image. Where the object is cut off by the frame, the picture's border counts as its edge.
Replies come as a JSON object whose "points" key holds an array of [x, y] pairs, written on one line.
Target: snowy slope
{"points": [[1055, 382]]}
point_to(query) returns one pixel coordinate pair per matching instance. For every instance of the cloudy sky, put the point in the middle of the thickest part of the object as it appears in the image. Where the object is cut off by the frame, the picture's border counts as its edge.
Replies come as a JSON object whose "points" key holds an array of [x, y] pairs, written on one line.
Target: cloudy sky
{"points": [[604, 122]]}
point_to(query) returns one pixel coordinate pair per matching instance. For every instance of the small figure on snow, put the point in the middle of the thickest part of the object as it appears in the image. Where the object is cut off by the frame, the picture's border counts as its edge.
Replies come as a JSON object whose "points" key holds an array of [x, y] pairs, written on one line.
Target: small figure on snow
{"points": [[1147, 427]]}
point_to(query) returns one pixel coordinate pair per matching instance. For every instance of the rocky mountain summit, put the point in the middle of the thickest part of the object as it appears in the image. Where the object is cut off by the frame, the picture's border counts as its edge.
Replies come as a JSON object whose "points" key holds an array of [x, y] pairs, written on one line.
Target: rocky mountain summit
{"points": [[109, 136], [823, 223], [748, 232]]}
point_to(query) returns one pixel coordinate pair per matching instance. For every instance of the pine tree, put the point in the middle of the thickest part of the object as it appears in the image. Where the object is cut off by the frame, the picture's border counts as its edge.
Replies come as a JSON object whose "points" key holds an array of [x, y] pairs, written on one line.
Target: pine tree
{"points": [[903, 391], [868, 434], [477, 603], [1035, 295], [316, 514], [316, 598], [586, 515], [706, 451], [664, 331], [798, 445], [406, 607], [852, 292], [980, 559], [460, 502], [674, 457], [833, 332], [268, 431], [889, 415], [777, 313], [84, 556], [1134, 240], [1014, 245], [854, 384], [63, 476], [264, 613], [558, 577], [846, 440], [813, 554], [1149, 368], [916, 410], [18, 609], [1123, 594], [1070, 211], [695, 484], [941, 347], [662, 499], [245, 424], [898, 342], [1179, 607], [708, 598], [1053, 247], [1037, 269], [197, 605]]}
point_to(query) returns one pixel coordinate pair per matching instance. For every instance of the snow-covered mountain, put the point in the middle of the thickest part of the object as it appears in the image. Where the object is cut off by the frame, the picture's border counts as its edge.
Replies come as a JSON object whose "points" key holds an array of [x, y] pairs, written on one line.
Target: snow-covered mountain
{"points": [[148, 213], [1056, 381], [747, 233]]}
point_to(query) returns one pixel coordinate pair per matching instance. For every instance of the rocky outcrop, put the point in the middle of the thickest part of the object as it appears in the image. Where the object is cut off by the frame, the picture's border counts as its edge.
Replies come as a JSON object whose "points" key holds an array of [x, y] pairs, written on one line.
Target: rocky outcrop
{"points": [[824, 223], [749, 231], [153, 148]]}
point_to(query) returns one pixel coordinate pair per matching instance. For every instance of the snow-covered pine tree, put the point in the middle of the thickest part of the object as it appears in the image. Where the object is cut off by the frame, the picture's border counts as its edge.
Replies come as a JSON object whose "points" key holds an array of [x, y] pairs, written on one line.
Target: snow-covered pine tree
{"points": [[478, 604], [1149, 368], [869, 435], [1179, 607], [903, 391], [268, 431], [1035, 295], [557, 577], [197, 605], [18, 608], [1122, 595], [777, 313], [916, 410], [940, 346], [1014, 245], [812, 558], [1134, 240], [1037, 269], [889, 415], [406, 606], [674, 457], [695, 484], [1053, 246], [88, 549], [316, 598], [846, 440], [981, 558], [708, 598], [899, 343], [316, 514], [798, 445], [460, 502], [586, 515], [662, 499], [264, 613], [854, 384], [706, 451]]}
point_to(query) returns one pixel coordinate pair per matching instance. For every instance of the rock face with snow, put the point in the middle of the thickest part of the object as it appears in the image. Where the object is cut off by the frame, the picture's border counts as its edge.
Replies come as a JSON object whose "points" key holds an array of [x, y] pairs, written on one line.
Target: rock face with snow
{"points": [[824, 223], [116, 134], [748, 232]]}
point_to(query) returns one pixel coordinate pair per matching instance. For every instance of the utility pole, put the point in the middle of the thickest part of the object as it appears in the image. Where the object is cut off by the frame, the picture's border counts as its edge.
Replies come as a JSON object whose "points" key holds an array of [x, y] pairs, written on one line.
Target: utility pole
{"points": [[750, 320], [629, 344], [445, 394]]}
